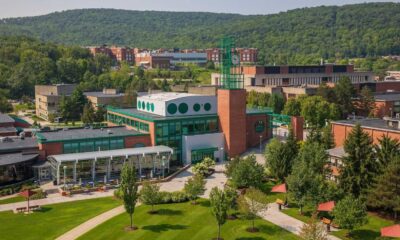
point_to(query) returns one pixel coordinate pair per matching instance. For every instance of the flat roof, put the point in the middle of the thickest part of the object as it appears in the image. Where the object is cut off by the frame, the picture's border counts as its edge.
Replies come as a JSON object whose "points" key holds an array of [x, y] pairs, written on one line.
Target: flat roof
{"points": [[112, 153], [387, 97], [256, 111], [167, 96], [8, 129], [5, 118], [103, 95], [10, 144], [85, 133], [336, 152], [14, 158], [375, 123], [133, 112]]}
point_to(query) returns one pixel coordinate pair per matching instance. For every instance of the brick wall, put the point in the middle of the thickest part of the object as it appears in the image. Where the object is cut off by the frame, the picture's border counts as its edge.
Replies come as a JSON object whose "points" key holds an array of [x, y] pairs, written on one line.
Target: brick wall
{"points": [[232, 118], [297, 124], [131, 141], [46, 149], [340, 133], [252, 136]]}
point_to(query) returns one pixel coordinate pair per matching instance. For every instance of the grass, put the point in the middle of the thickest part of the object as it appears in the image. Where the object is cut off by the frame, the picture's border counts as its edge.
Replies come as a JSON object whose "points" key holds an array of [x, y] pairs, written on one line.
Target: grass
{"points": [[369, 231], [53, 220], [271, 197], [183, 221], [12, 200]]}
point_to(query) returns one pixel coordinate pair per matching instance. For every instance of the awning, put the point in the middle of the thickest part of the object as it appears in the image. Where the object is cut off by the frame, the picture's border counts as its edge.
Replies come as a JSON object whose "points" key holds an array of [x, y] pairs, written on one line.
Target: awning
{"points": [[392, 231], [112, 153], [281, 188], [326, 207], [205, 149]]}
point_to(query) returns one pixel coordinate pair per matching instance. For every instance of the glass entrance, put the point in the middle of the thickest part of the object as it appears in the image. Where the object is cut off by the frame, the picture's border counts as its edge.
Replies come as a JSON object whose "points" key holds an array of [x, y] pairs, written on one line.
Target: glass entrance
{"points": [[199, 155]]}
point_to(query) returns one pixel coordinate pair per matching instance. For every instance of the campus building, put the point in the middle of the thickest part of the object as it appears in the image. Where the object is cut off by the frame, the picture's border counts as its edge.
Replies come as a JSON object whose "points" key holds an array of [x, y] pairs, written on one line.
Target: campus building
{"points": [[106, 97], [264, 76], [117, 54], [151, 60]]}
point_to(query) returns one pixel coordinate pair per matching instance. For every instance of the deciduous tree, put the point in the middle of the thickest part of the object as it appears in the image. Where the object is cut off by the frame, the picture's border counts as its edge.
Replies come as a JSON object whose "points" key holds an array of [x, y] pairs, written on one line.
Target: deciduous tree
{"points": [[219, 207], [129, 190], [350, 213]]}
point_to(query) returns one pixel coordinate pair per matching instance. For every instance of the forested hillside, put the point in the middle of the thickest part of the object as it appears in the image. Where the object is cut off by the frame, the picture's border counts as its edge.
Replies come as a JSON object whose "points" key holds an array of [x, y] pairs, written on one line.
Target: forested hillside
{"points": [[297, 36]]}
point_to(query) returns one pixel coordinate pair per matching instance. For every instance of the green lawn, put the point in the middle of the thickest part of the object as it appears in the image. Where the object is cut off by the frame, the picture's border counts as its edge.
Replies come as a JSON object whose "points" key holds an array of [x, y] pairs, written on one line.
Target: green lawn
{"points": [[53, 220], [183, 221], [12, 200], [369, 231]]}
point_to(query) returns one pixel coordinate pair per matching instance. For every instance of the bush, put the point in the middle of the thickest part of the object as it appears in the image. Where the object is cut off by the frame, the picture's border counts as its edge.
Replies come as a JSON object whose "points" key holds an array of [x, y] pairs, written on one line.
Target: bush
{"points": [[39, 195], [173, 197]]}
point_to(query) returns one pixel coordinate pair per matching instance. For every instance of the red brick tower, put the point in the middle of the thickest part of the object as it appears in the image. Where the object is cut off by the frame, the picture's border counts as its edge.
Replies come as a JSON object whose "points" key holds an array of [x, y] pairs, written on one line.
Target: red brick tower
{"points": [[232, 119]]}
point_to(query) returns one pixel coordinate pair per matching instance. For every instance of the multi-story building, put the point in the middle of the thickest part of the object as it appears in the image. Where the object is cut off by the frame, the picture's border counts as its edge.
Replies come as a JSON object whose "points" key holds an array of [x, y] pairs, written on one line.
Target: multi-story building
{"points": [[152, 60], [185, 57], [392, 75], [48, 97], [106, 97], [262, 76], [246, 55], [118, 54]]}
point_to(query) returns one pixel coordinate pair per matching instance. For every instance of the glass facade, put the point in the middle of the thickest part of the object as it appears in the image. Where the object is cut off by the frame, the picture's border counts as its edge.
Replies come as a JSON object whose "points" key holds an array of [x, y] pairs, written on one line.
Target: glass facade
{"points": [[93, 145], [170, 133], [200, 154], [136, 125], [16, 172]]}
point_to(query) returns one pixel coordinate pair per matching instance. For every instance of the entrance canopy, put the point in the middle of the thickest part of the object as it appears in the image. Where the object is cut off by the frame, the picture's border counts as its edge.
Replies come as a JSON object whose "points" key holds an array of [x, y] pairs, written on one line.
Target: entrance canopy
{"points": [[127, 152]]}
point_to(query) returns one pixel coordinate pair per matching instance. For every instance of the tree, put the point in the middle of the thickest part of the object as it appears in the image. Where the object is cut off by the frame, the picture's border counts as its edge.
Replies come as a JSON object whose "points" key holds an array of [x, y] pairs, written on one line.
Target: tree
{"points": [[194, 187], [326, 92], [277, 160], [327, 139], [366, 103], [130, 95], [350, 213], [344, 92], [5, 106], [150, 194], [276, 102], [231, 198], [313, 230], [129, 190], [386, 150], [88, 115], [292, 107], [251, 204], [385, 193], [359, 166], [65, 108], [247, 173], [316, 111], [100, 114], [219, 207]]}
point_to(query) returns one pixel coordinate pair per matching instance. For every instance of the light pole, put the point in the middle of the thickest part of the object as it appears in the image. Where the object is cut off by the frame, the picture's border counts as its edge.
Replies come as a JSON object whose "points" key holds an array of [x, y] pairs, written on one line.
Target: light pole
{"points": [[222, 154], [260, 142], [65, 173], [163, 166]]}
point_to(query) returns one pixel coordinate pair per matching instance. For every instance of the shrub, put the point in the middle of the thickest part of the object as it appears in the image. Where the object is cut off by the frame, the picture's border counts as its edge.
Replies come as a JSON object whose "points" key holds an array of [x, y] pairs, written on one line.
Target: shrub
{"points": [[38, 195], [172, 197]]}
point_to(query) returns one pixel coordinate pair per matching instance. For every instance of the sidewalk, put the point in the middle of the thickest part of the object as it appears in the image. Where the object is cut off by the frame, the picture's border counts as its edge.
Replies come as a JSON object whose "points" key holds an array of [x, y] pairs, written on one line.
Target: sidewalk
{"points": [[216, 180], [273, 215]]}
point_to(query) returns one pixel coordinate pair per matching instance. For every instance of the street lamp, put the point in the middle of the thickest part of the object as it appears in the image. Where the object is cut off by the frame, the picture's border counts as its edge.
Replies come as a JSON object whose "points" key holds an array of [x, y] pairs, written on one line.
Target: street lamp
{"points": [[222, 154], [65, 173], [260, 142]]}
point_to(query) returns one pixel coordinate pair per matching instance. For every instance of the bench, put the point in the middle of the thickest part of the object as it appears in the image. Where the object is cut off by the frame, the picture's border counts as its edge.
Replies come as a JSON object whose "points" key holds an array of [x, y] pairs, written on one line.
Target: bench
{"points": [[21, 209], [34, 207]]}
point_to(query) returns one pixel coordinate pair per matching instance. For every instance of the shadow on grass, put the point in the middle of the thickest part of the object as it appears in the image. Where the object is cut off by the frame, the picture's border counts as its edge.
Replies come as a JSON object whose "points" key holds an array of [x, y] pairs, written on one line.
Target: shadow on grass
{"points": [[44, 209], [204, 203], [164, 227], [364, 234], [169, 212], [251, 238]]}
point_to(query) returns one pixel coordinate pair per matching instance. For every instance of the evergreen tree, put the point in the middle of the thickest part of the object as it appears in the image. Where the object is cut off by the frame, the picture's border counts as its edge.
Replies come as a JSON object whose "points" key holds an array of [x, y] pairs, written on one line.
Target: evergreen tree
{"points": [[359, 166], [100, 114], [344, 92], [327, 139], [386, 150], [366, 103], [88, 115], [77, 101], [385, 194]]}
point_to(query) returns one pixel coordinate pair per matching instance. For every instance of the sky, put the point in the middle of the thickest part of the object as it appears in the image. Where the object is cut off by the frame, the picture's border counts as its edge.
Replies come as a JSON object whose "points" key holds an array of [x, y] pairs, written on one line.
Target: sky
{"points": [[20, 8]]}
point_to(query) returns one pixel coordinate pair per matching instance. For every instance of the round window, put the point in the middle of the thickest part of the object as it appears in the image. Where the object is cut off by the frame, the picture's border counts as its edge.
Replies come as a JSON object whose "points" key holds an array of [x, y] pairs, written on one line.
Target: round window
{"points": [[183, 108], [143, 105], [172, 108], [196, 107], [207, 107], [152, 107], [139, 104]]}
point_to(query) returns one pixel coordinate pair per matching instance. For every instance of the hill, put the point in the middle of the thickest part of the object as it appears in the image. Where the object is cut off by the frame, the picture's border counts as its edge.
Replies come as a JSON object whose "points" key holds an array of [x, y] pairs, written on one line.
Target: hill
{"points": [[301, 35]]}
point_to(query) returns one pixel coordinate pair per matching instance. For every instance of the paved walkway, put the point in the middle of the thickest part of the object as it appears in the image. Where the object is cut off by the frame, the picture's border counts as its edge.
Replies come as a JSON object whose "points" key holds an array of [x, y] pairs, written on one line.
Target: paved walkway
{"points": [[273, 215], [218, 179]]}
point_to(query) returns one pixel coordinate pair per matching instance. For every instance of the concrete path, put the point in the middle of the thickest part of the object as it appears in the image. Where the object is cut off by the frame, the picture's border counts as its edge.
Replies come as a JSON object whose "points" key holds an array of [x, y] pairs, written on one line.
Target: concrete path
{"points": [[218, 179], [273, 215]]}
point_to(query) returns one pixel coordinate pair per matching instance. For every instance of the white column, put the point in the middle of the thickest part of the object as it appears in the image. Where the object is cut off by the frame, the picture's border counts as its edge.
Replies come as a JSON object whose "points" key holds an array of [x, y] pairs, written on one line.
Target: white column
{"points": [[74, 173], [58, 173], [109, 168], [94, 169]]}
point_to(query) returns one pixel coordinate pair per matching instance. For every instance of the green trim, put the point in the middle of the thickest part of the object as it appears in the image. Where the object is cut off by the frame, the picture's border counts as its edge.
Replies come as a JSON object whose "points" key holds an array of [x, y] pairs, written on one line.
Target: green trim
{"points": [[209, 149], [83, 139]]}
